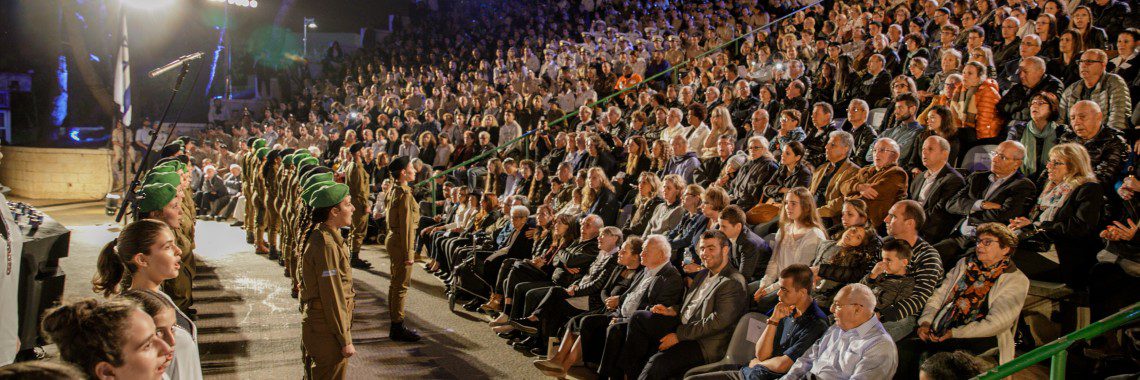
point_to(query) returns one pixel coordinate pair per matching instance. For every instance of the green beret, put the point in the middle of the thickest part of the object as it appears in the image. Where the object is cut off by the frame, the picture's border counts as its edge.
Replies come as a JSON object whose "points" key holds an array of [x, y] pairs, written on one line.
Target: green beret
{"points": [[173, 179], [259, 143], [164, 168], [287, 160], [308, 191], [300, 155], [327, 194], [262, 151], [308, 160], [155, 196], [320, 177]]}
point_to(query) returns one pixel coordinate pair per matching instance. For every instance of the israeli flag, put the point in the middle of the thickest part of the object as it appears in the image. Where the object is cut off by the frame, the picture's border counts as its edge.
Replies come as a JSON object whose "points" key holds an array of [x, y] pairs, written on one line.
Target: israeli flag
{"points": [[123, 78]]}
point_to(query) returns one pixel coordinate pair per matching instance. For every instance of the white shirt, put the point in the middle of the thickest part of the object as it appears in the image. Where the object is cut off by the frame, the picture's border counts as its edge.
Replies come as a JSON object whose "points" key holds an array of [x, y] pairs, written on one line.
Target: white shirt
{"points": [[864, 352], [634, 297], [9, 286]]}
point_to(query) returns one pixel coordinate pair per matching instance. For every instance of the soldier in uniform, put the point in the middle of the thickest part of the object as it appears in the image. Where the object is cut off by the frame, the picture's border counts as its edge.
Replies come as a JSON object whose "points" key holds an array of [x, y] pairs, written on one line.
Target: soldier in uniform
{"points": [[358, 181], [327, 295], [173, 173], [270, 223], [257, 202], [403, 215]]}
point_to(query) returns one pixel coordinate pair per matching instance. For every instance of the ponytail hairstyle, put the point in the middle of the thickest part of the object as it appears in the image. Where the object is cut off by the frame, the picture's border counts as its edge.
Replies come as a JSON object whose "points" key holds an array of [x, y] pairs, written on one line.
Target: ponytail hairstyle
{"points": [[310, 219], [115, 265], [89, 331]]}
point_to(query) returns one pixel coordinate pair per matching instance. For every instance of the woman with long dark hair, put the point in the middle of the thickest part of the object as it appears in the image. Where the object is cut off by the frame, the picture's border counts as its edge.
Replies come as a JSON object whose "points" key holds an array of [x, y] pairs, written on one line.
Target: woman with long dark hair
{"points": [[108, 339]]}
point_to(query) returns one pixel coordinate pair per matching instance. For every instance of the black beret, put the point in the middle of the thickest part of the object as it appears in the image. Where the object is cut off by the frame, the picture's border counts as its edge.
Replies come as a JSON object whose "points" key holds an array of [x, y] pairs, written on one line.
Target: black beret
{"points": [[287, 151], [398, 165], [272, 155], [249, 141], [356, 147], [171, 150]]}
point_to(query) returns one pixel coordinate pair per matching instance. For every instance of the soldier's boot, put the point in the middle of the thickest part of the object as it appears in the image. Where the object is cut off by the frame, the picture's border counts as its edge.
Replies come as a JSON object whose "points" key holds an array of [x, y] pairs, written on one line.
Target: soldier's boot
{"points": [[249, 237], [273, 254], [400, 333], [359, 263]]}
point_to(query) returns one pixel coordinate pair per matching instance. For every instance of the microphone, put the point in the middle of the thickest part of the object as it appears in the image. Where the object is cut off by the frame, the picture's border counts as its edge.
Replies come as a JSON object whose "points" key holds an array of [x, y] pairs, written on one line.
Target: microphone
{"points": [[175, 63]]}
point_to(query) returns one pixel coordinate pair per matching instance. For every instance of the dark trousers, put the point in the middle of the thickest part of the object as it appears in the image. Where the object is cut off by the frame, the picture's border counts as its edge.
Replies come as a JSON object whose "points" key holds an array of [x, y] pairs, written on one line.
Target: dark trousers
{"points": [[553, 311], [673, 362], [521, 295], [953, 248], [912, 351], [612, 352], [643, 335], [591, 329], [1106, 282]]}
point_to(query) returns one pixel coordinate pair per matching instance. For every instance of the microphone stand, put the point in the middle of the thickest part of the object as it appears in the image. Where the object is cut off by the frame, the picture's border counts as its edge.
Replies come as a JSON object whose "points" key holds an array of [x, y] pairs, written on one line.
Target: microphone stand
{"points": [[130, 198]]}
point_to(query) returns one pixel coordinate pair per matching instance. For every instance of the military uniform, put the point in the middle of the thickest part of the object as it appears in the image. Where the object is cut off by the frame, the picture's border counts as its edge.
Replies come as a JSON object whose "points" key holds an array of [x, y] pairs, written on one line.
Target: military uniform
{"points": [[358, 181], [327, 298], [403, 216]]}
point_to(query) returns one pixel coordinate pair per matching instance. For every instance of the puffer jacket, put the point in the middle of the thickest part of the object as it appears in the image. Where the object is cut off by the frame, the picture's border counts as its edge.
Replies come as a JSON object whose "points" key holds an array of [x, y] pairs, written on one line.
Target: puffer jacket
{"points": [[1110, 93], [986, 122], [1107, 150]]}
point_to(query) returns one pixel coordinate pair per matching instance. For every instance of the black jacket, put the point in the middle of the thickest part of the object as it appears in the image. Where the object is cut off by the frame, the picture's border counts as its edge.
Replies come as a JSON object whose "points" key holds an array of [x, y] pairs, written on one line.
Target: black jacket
{"points": [[1014, 103], [815, 145], [750, 255], [578, 255], [865, 136], [1107, 150], [874, 89], [1016, 195], [940, 222], [746, 187], [606, 206], [799, 176], [666, 289], [639, 218]]}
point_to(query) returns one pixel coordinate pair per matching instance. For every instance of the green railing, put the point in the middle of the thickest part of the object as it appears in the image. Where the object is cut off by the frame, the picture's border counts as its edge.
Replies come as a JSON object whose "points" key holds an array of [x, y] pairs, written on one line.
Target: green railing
{"points": [[1057, 349]]}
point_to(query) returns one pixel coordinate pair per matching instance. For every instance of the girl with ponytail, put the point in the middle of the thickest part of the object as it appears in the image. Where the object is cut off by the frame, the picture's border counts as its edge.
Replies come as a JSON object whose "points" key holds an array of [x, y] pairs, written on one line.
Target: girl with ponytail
{"points": [[140, 259], [108, 339]]}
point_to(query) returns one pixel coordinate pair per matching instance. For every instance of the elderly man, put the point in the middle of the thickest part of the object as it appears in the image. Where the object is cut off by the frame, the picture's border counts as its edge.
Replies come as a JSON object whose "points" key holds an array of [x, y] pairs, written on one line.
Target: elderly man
{"points": [[1107, 90], [673, 126], [881, 184], [225, 206], [695, 333], [1031, 80], [1106, 145], [867, 353], [826, 180], [684, 162], [761, 168], [757, 127], [933, 187], [1008, 73], [659, 283], [875, 84], [997, 196]]}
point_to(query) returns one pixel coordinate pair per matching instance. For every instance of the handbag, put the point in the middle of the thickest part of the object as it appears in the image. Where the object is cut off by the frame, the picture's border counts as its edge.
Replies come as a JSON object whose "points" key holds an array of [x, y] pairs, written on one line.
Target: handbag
{"points": [[762, 213], [1034, 240]]}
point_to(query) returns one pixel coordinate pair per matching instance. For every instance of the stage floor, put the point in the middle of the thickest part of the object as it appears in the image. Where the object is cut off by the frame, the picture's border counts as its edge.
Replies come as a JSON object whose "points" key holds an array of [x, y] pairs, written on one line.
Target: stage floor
{"points": [[250, 327]]}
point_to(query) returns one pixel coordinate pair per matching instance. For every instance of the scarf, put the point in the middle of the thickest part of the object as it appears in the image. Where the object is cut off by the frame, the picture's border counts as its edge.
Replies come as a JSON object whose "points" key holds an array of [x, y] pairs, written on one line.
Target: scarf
{"points": [[1051, 200], [1030, 137], [967, 301]]}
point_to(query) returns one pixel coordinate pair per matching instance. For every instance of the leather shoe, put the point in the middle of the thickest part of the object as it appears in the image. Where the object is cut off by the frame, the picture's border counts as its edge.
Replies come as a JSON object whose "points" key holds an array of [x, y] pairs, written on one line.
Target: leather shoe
{"points": [[525, 326], [360, 264], [472, 306], [400, 333], [511, 335]]}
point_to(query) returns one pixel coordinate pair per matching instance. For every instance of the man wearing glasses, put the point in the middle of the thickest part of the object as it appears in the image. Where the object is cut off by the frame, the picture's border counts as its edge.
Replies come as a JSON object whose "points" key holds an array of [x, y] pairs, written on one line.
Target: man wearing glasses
{"points": [[1107, 90], [1031, 80], [857, 346], [997, 195]]}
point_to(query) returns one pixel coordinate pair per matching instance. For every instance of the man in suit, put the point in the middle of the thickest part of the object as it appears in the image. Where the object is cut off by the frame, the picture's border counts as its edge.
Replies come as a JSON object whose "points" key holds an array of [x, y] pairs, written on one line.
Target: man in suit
{"points": [[996, 196], [749, 254], [517, 245], [697, 332], [658, 283], [881, 184], [934, 187], [839, 168], [760, 169]]}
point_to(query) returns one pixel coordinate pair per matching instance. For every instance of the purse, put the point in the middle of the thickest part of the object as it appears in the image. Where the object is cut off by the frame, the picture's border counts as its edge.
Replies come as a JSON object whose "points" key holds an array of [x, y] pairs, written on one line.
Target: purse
{"points": [[1034, 239], [762, 213]]}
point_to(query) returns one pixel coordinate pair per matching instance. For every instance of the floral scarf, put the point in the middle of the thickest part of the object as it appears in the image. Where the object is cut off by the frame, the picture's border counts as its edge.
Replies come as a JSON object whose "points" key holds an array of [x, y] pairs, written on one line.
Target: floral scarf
{"points": [[1051, 200], [967, 301]]}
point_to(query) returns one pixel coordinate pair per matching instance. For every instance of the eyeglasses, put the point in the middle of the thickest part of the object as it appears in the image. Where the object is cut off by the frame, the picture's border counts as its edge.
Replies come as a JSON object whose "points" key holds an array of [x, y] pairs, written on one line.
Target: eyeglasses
{"points": [[755, 147], [839, 306], [1089, 61], [987, 242], [995, 154], [1038, 103]]}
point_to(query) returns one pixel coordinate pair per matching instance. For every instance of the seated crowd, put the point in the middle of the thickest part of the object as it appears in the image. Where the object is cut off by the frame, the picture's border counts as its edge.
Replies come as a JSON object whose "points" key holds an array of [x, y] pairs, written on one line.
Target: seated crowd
{"points": [[820, 176]]}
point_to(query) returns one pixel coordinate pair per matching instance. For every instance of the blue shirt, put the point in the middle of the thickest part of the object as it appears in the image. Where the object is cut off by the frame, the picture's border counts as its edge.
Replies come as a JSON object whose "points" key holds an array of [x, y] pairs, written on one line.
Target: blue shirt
{"points": [[794, 336]]}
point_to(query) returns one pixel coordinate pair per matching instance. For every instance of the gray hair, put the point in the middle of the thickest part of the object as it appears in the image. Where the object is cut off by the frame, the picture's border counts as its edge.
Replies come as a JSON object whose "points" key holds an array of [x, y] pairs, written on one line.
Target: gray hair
{"points": [[894, 144], [613, 231], [860, 294], [658, 241], [845, 139], [520, 212], [1035, 61], [595, 220]]}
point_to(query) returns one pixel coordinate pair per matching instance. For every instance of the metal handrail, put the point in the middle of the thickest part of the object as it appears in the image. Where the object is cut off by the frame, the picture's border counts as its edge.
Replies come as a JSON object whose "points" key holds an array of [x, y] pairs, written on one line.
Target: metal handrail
{"points": [[1057, 349]]}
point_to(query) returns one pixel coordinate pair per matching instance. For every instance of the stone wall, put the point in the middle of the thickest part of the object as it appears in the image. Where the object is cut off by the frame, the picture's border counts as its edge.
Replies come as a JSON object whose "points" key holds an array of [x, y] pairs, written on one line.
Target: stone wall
{"points": [[56, 173]]}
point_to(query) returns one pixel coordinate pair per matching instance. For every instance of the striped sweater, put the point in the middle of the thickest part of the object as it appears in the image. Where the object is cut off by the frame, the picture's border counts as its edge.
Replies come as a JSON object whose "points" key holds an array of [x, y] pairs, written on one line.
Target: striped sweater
{"points": [[926, 268]]}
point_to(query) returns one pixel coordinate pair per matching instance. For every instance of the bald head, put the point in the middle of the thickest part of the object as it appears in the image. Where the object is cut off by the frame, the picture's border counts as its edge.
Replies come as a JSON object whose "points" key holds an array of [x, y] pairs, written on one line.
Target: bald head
{"points": [[1086, 117]]}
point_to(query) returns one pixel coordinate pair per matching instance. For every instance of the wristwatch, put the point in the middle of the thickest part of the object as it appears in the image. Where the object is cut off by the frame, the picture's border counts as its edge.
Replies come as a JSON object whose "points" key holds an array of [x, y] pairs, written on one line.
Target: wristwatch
{"points": [[771, 322]]}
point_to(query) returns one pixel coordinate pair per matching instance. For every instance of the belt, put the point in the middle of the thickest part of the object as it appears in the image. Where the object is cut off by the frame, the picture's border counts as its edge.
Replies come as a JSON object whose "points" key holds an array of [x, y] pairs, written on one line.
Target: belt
{"points": [[314, 305]]}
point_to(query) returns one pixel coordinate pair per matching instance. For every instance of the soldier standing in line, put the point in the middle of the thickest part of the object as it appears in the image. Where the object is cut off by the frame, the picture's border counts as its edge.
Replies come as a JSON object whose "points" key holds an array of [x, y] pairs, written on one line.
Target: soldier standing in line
{"points": [[257, 187], [402, 214], [327, 295], [358, 180]]}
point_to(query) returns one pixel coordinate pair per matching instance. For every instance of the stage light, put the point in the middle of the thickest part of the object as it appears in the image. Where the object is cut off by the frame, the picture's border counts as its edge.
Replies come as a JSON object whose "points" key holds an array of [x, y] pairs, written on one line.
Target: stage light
{"points": [[312, 25], [148, 4], [239, 3]]}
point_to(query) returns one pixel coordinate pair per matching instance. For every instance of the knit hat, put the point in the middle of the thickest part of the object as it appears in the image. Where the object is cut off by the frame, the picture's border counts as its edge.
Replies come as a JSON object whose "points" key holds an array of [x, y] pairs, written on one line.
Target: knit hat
{"points": [[155, 196]]}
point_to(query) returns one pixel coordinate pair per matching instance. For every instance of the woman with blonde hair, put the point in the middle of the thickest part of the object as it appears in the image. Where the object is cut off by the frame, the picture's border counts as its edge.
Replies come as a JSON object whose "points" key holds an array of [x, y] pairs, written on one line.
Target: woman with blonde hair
{"points": [[602, 199], [799, 237], [1064, 222], [721, 120], [644, 204], [659, 156]]}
